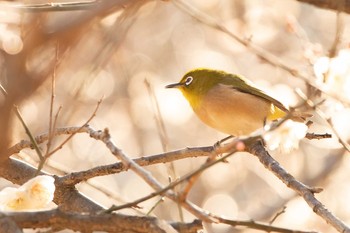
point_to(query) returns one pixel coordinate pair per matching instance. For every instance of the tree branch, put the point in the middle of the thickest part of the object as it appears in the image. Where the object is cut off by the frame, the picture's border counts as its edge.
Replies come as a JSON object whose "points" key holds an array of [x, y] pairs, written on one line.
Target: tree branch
{"points": [[67, 196], [338, 5], [304, 191], [57, 219]]}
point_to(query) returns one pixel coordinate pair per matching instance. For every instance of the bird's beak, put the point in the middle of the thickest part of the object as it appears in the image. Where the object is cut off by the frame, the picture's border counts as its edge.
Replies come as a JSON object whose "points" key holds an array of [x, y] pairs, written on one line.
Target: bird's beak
{"points": [[174, 85]]}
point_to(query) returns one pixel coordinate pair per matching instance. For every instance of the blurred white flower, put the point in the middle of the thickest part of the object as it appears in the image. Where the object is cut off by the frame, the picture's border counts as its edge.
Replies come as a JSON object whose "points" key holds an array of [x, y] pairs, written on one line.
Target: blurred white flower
{"points": [[12, 43], [334, 73], [10, 30], [286, 137], [35, 194]]}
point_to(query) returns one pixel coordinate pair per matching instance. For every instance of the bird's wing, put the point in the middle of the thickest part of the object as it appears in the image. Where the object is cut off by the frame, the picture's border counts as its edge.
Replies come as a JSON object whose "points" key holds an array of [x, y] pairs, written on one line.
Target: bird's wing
{"points": [[245, 86]]}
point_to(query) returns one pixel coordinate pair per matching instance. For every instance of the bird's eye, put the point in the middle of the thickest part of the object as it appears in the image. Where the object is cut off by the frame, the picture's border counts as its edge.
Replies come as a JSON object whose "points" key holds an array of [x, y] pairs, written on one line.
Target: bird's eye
{"points": [[188, 80]]}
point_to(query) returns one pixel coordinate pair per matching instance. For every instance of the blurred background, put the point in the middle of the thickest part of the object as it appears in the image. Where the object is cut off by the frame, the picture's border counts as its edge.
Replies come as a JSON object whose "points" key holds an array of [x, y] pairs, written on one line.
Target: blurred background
{"points": [[110, 51]]}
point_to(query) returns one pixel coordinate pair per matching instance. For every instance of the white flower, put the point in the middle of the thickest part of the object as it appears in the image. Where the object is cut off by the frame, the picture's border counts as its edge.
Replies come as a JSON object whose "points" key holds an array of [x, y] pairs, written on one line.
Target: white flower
{"points": [[286, 137], [10, 29], [35, 194], [12, 43], [334, 73]]}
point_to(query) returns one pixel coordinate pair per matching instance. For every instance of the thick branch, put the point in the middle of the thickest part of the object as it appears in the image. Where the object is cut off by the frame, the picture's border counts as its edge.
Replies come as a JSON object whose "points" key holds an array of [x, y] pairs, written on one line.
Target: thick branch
{"points": [[338, 5], [66, 196], [57, 219], [69, 199], [7, 225]]}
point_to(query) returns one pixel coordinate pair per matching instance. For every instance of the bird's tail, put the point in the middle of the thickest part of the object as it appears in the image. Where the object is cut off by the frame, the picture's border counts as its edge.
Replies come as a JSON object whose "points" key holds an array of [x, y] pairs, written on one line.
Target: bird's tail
{"points": [[299, 116]]}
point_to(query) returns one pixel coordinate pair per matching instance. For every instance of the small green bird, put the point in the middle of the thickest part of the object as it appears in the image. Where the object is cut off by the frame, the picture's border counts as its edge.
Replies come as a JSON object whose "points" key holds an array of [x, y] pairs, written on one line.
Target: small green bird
{"points": [[228, 102]]}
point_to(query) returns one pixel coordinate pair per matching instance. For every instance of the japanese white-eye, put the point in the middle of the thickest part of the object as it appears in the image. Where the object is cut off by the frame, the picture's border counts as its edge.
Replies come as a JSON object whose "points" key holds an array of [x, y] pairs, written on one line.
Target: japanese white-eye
{"points": [[228, 102]]}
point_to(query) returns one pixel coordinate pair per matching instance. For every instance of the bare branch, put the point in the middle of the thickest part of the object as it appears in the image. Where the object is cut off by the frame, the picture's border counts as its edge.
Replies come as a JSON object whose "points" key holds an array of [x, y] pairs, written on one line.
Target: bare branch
{"points": [[7, 225], [29, 133], [338, 35], [311, 136], [341, 5], [66, 184], [260, 226], [58, 219], [304, 191], [71, 135], [63, 6]]}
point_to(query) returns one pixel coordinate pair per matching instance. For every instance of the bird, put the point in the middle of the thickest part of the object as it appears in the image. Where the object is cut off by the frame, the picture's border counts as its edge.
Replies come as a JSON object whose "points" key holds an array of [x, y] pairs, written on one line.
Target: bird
{"points": [[227, 102]]}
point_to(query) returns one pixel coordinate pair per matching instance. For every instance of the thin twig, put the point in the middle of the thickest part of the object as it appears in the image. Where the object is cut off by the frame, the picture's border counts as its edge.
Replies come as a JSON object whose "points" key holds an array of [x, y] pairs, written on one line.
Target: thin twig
{"points": [[326, 119], [158, 116], [171, 185], [52, 125], [3, 90], [81, 127], [339, 25], [28, 132], [44, 137], [279, 213], [160, 200], [330, 123], [59, 6], [148, 178], [260, 226], [31, 137], [52, 101], [50, 137], [163, 136], [311, 136]]}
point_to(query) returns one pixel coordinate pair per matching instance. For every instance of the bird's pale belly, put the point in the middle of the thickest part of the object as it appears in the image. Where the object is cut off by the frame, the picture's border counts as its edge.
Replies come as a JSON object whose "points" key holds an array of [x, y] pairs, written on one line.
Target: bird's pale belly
{"points": [[233, 112]]}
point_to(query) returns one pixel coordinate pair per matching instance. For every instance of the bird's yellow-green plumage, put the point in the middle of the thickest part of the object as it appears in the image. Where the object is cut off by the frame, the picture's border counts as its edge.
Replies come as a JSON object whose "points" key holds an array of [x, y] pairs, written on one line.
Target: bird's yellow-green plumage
{"points": [[228, 102]]}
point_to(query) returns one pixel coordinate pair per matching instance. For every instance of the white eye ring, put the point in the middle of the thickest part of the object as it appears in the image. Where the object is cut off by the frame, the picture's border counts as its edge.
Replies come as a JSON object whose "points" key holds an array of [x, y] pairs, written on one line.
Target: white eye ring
{"points": [[188, 80]]}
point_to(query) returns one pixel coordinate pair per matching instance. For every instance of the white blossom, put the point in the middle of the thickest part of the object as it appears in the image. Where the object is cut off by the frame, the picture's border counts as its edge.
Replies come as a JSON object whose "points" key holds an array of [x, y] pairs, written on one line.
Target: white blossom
{"points": [[35, 194], [334, 73], [10, 29], [286, 137]]}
